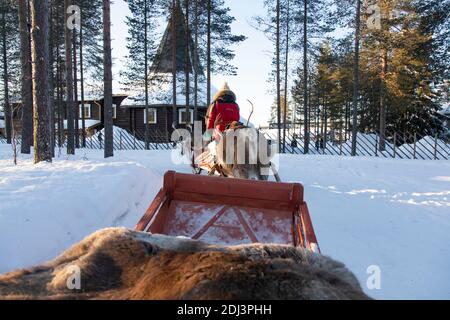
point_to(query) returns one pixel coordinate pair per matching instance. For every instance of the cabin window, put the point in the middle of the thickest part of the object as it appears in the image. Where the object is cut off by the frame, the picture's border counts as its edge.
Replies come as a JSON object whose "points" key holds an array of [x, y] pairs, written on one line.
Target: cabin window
{"points": [[151, 116], [114, 111], [86, 109], [183, 116]]}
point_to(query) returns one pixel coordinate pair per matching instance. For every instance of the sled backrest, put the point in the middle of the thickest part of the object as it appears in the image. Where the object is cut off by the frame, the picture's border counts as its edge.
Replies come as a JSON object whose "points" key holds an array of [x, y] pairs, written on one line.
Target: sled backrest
{"points": [[237, 192]]}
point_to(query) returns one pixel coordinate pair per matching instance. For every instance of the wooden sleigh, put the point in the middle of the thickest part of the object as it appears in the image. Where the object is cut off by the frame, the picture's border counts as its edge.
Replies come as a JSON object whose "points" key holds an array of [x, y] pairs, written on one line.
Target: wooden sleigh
{"points": [[230, 211]]}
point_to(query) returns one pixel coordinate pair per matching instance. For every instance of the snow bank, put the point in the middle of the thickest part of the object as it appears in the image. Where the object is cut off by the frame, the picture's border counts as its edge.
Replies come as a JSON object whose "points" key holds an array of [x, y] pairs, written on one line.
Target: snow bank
{"points": [[45, 208], [390, 213], [425, 149], [117, 132]]}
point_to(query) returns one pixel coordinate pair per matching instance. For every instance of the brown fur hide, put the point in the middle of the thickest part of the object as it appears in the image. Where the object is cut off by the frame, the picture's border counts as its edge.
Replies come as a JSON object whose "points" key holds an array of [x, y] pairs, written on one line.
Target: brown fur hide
{"points": [[125, 264]]}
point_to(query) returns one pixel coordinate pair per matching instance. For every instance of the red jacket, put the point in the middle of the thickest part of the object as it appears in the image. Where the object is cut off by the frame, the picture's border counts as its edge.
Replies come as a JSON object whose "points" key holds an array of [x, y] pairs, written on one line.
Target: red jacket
{"points": [[222, 114]]}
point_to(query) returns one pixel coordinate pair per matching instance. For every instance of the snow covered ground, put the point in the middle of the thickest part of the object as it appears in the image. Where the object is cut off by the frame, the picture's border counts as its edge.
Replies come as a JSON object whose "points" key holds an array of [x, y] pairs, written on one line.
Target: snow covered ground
{"points": [[391, 213]]}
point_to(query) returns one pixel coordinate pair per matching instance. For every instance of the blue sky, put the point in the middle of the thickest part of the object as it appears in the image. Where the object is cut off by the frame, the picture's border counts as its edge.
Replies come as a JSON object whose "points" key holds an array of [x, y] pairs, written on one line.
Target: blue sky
{"points": [[253, 57]]}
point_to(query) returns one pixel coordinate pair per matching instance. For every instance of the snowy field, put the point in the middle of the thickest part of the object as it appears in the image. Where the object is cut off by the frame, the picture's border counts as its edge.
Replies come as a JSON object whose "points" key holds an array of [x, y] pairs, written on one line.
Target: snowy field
{"points": [[394, 214]]}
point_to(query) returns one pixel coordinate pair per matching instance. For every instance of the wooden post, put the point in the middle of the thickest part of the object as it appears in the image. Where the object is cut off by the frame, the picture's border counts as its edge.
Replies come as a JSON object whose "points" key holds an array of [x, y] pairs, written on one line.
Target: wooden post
{"points": [[395, 144], [415, 141], [134, 140], [376, 146], [435, 146], [120, 141], [356, 78]]}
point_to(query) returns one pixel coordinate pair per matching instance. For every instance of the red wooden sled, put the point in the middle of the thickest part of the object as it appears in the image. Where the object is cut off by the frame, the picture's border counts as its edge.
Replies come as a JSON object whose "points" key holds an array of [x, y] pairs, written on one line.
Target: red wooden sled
{"points": [[230, 211]]}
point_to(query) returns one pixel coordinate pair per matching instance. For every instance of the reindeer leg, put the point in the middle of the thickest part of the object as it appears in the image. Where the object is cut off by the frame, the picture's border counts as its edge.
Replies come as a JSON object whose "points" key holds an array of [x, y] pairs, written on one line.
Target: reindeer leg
{"points": [[222, 173], [213, 171]]}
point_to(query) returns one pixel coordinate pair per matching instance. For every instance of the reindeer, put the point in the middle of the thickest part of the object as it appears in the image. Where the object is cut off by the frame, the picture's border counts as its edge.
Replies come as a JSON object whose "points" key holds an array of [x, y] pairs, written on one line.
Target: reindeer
{"points": [[240, 152], [243, 152]]}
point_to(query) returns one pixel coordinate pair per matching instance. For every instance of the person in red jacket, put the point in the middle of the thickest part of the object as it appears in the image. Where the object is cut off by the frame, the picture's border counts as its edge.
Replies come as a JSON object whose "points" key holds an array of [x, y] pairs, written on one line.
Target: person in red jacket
{"points": [[222, 111]]}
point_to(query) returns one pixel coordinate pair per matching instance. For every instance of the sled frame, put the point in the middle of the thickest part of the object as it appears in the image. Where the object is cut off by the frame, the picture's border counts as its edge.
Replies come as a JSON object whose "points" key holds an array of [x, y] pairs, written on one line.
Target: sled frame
{"points": [[230, 211]]}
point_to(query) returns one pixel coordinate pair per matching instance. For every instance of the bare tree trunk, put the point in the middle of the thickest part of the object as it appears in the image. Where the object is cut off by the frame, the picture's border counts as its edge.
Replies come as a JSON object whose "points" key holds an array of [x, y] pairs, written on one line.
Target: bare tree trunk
{"points": [[107, 69], [187, 64], [195, 53], [174, 63], [346, 123], [70, 108], [75, 91], [41, 101], [59, 98], [356, 80], [147, 143], [14, 137], [318, 111], [382, 144], [83, 116], [208, 56], [278, 75], [51, 84], [310, 116], [31, 66], [286, 75], [325, 119], [25, 61], [305, 77], [7, 107]]}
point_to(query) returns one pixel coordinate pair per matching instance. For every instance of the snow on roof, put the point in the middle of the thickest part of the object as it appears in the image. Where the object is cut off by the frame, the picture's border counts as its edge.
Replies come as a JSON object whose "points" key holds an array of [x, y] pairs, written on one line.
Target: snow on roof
{"points": [[87, 123], [161, 93]]}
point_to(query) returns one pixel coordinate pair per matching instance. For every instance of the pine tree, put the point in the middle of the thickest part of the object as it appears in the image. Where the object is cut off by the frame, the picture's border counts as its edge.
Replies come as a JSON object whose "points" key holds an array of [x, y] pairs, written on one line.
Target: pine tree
{"points": [[285, 106], [404, 71], [41, 99], [107, 67], [208, 53], [298, 21], [187, 63], [75, 87], [88, 43], [7, 106], [141, 47], [216, 53], [402, 83], [278, 62], [25, 60], [10, 64], [174, 19], [58, 42], [356, 77], [70, 106]]}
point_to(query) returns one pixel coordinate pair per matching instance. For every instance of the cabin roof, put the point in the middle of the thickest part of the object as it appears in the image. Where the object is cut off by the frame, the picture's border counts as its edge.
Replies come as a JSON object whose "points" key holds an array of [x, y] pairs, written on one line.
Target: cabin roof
{"points": [[142, 106], [161, 93]]}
